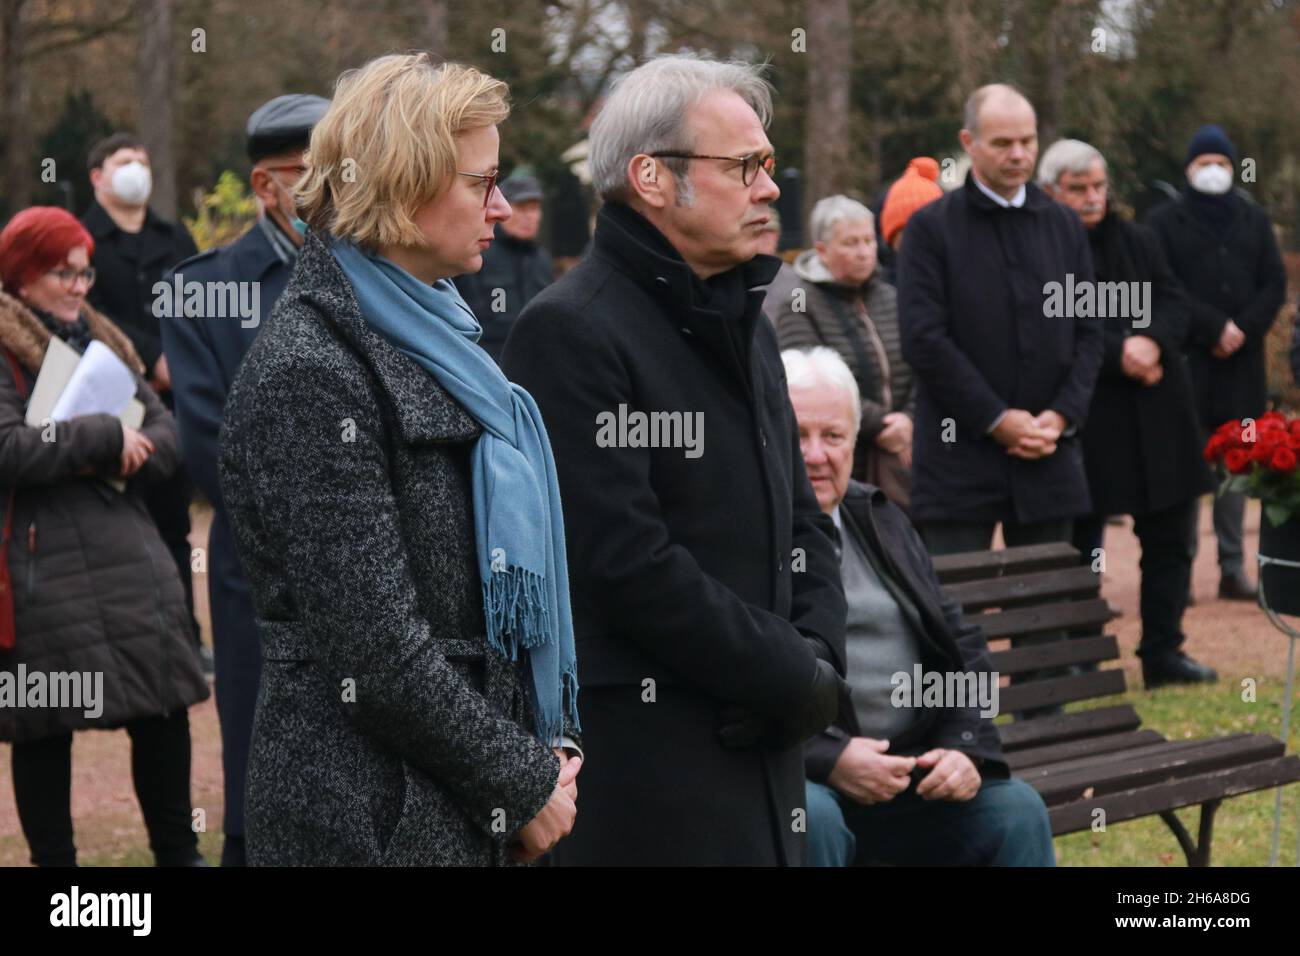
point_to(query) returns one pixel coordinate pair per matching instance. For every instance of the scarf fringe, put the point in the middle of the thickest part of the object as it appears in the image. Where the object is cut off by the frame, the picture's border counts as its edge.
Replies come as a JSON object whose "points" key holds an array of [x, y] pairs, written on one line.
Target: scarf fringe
{"points": [[550, 727], [514, 602]]}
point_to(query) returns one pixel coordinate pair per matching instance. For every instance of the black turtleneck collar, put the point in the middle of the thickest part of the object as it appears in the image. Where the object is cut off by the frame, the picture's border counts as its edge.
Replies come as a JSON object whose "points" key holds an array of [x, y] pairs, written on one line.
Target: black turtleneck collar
{"points": [[720, 311], [645, 252]]}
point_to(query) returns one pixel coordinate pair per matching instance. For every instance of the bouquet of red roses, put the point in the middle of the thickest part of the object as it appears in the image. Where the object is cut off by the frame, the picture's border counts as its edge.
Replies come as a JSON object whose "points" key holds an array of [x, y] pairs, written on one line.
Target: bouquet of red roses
{"points": [[1259, 457]]}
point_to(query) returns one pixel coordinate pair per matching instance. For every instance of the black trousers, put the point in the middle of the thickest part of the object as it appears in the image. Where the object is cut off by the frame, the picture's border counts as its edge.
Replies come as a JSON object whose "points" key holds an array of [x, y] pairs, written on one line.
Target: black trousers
{"points": [[1166, 567], [160, 769]]}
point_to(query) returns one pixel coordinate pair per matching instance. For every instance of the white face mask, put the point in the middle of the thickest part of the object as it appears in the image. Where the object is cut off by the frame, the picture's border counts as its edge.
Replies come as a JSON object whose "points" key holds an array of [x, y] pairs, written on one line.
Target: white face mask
{"points": [[1212, 179], [132, 183]]}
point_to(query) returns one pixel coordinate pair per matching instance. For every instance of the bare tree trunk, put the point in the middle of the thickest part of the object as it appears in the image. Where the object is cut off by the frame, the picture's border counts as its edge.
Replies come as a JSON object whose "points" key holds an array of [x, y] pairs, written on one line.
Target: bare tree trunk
{"points": [[19, 173], [826, 149], [156, 93], [435, 28]]}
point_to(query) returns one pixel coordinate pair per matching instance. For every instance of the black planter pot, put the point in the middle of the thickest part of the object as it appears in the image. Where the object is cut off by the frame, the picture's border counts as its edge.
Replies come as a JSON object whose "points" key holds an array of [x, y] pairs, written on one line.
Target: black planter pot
{"points": [[1280, 585]]}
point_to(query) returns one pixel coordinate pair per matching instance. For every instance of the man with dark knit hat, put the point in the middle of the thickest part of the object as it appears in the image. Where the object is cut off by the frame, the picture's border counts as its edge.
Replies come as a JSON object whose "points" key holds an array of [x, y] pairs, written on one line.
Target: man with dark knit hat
{"points": [[1221, 247], [515, 267], [204, 351]]}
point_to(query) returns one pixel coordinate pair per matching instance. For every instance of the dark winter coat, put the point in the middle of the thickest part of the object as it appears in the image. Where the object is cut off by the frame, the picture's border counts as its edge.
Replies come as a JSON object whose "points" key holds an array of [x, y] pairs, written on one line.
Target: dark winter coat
{"points": [[698, 583], [124, 281], [387, 730], [95, 589], [972, 292], [1142, 445], [1238, 275], [203, 353]]}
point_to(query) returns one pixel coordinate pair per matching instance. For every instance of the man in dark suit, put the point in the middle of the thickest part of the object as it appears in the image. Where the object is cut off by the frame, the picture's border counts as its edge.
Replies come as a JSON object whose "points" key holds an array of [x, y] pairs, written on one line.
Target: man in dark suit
{"points": [[1003, 386], [204, 352], [134, 246], [707, 607]]}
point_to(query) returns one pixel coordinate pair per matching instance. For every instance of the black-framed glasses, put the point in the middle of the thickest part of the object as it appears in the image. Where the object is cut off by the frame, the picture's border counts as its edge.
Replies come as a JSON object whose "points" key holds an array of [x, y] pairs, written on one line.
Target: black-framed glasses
{"points": [[489, 179], [68, 277], [749, 164]]}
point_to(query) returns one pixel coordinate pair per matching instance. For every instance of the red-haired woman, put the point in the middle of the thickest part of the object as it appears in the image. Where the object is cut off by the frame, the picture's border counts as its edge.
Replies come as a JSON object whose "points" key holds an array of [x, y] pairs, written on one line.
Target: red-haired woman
{"points": [[93, 627]]}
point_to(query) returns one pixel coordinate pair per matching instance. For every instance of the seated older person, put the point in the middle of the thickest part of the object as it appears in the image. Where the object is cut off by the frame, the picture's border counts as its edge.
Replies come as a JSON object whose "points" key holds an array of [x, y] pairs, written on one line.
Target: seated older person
{"points": [[892, 781], [847, 306]]}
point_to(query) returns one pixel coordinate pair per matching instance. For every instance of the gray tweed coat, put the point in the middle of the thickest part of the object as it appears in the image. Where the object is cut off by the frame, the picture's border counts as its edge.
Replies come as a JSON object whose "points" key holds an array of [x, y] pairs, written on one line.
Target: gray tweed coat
{"points": [[387, 731]]}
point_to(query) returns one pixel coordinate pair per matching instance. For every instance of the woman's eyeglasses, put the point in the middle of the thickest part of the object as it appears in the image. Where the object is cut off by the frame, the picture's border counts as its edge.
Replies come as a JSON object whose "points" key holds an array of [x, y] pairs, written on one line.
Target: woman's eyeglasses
{"points": [[749, 165], [488, 179], [68, 277]]}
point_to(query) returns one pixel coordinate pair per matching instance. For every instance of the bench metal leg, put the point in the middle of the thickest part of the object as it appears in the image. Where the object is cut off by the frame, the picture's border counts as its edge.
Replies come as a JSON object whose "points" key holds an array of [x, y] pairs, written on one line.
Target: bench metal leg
{"points": [[1198, 853]]}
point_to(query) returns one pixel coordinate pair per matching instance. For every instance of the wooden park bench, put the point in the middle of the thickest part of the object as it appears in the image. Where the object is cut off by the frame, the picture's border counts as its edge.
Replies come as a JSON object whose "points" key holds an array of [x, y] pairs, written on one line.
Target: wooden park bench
{"points": [[1100, 758]]}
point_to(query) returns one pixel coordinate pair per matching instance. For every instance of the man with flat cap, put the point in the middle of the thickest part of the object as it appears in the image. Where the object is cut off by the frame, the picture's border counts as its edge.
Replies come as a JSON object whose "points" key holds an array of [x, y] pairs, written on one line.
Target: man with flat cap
{"points": [[515, 267], [204, 352]]}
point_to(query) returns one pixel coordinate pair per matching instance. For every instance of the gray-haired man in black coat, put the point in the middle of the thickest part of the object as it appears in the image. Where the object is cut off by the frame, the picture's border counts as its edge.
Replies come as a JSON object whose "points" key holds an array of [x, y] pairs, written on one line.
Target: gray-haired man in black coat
{"points": [[707, 604]]}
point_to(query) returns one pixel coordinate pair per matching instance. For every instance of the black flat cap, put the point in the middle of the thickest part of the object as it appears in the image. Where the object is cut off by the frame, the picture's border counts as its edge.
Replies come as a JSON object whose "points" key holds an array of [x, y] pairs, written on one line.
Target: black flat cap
{"points": [[283, 123], [521, 187]]}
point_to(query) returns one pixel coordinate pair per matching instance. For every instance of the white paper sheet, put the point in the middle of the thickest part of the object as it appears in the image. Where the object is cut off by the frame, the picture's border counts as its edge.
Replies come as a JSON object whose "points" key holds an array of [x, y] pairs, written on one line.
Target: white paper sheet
{"points": [[101, 383]]}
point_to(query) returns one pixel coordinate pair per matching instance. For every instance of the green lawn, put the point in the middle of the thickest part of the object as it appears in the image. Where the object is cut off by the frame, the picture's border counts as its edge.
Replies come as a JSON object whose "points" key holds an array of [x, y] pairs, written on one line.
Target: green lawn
{"points": [[1243, 827]]}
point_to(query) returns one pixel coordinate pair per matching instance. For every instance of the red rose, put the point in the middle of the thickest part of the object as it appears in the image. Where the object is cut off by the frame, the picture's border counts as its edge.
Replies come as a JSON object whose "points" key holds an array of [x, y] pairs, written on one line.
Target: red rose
{"points": [[1230, 429], [1237, 461], [1214, 448], [1262, 450], [1283, 460]]}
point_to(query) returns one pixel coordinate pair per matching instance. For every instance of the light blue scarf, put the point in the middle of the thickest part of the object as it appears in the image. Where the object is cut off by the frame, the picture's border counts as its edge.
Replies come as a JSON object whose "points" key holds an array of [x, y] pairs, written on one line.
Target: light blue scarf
{"points": [[518, 524]]}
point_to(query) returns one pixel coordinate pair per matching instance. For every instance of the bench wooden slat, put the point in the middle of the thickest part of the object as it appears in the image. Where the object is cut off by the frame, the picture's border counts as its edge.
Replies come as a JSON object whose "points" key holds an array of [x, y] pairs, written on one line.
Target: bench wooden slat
{"points": [[1021, 760], [1075, 650], [1171, 763], [1174, 794], [1095, 612], [1062, 727], [973, 565], [1020, 589], [1127, 755], [1060, 690]]}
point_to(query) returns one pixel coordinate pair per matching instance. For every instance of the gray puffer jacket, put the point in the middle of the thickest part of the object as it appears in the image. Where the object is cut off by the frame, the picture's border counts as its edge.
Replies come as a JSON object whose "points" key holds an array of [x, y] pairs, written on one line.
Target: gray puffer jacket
{"points": [[95, 590]]}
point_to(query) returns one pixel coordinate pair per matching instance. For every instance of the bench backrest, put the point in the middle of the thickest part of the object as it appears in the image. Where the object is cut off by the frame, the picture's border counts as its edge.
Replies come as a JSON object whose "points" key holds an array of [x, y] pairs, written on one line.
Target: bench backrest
{"points": [[1016, 594]]}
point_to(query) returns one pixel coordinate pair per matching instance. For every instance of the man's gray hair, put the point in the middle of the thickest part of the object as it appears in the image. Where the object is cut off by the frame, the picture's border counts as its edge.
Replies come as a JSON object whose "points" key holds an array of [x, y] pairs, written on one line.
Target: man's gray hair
{"points": [[1067, 156], [835, 209], [809, 368], [646, 112]]}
